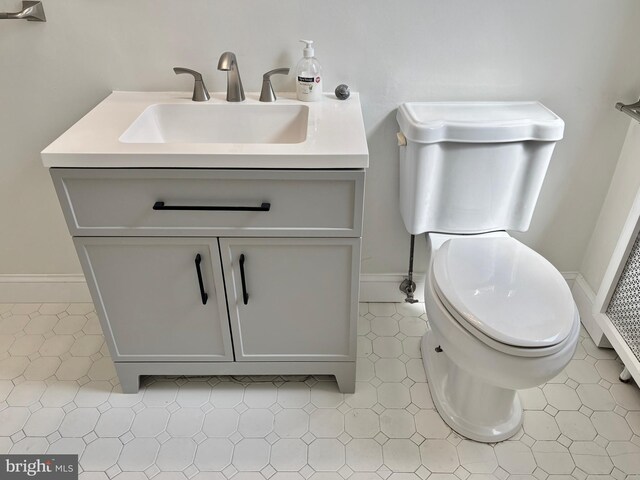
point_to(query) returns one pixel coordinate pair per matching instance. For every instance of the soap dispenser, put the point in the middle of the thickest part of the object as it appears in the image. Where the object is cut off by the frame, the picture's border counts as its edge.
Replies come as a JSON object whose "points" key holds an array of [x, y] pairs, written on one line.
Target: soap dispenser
{"points": [[308, 75]]}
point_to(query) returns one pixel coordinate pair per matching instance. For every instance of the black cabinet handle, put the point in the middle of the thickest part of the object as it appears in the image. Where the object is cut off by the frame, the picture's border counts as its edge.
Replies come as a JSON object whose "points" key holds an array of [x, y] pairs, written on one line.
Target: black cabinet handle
{"points": [[264, 207], [245, 295], [203, 294]]}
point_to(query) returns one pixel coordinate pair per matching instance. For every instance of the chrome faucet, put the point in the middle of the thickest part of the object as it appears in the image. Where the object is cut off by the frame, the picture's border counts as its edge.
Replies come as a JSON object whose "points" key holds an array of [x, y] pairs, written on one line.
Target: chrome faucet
{"points": [[229, 64]]}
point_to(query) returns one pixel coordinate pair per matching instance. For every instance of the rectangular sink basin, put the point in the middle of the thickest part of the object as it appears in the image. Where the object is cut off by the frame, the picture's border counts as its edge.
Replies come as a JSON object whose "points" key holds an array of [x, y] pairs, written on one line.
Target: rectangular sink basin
{"points": [[219, 123]]}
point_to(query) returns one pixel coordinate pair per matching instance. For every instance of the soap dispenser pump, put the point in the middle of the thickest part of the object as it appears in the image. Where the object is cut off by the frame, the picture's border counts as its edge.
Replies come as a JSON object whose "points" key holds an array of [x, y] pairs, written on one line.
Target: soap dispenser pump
{"points": [[308, 75]]}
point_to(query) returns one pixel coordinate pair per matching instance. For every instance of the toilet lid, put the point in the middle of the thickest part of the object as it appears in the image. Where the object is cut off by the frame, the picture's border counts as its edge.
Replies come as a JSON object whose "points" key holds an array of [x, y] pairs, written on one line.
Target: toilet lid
{"points": [[505, 290]]}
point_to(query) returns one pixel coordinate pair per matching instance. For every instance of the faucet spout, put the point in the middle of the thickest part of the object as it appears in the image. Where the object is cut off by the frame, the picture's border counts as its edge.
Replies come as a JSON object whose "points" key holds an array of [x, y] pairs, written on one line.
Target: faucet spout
{"points": [[228, 63]]}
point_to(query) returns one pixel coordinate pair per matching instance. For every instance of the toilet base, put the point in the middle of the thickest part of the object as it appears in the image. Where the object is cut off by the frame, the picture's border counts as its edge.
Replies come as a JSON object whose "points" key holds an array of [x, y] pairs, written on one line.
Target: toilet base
{"points": [[473, 408]]}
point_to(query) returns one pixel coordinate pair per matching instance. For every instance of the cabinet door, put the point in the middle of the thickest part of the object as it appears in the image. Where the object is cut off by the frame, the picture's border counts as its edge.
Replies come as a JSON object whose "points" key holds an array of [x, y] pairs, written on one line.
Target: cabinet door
{"points": [[299, 300], [149, 298]]}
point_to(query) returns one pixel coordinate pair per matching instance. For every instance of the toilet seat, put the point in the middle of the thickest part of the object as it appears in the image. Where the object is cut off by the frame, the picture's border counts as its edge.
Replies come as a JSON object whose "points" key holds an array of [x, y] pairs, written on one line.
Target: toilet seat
{"points": [[505, 294]]}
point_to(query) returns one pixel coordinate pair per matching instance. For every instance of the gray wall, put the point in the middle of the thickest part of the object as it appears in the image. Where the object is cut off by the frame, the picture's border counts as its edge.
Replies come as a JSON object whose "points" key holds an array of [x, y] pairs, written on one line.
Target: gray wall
{"points": [[615, 209], [576, 56]]}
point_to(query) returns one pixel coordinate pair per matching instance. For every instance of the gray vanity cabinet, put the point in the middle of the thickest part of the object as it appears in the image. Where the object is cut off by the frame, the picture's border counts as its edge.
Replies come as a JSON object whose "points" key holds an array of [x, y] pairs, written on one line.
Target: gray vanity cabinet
{"points": [[149, 293], [153, 242], [292, 299]]}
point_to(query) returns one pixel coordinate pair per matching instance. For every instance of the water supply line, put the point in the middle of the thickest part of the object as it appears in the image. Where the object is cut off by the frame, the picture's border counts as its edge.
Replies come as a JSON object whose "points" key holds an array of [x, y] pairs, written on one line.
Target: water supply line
{"points": [[408, 286]]}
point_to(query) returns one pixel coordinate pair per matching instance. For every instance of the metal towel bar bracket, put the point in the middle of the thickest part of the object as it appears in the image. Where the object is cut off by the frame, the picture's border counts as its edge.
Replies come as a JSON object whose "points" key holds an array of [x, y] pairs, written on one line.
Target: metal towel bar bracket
{"points": [[633, 109], [31, 11]]}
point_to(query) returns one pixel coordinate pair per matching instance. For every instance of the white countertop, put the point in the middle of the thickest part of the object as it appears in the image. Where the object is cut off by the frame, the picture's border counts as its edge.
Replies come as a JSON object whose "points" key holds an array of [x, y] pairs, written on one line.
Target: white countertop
{"points": [[335, 138]]}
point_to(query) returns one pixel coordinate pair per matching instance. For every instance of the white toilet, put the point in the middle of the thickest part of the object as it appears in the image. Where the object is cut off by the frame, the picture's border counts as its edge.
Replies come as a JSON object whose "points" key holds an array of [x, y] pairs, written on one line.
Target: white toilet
{"points": [[501, 317]]}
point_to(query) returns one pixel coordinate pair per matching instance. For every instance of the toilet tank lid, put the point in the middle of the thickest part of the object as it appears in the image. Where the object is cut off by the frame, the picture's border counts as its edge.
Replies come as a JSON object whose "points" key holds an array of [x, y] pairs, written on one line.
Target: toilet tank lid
{"points": [[478, 122]]}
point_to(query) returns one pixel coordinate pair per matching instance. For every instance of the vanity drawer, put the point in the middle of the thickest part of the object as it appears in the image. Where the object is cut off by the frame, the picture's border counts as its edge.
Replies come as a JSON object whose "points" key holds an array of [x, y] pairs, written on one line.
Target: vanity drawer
{"points": [[190, 202]]}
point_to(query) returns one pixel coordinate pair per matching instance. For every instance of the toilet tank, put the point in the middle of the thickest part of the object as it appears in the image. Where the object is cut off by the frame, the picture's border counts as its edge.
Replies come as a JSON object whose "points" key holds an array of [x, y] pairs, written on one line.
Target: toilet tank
{"points": [[473, 167]]}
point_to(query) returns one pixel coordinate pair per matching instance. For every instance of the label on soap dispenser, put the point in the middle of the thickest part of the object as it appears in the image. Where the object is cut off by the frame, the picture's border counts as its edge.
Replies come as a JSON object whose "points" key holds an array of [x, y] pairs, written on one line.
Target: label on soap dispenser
{"points": [[309, 88]]}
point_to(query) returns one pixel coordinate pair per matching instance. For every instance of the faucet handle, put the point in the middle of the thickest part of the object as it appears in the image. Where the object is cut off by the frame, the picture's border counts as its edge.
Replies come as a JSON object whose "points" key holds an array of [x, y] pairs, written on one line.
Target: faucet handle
{"points": [[267, 94], [200, 93]]}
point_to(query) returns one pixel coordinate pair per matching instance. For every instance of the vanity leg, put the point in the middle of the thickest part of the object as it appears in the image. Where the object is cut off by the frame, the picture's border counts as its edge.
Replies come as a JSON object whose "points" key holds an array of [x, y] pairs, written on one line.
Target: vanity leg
{"points": [[129, 378], [346, 377]]}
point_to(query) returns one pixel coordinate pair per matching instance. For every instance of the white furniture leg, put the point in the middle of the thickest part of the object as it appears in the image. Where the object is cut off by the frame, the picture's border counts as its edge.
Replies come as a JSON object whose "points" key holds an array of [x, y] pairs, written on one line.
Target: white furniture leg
{"points": [[625, 375]]}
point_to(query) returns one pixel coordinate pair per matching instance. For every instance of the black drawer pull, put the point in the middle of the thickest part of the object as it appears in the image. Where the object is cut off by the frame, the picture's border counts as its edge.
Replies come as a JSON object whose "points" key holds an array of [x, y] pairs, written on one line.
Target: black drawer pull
{"points": [[264, 207], [245, 295], [203, 294]]}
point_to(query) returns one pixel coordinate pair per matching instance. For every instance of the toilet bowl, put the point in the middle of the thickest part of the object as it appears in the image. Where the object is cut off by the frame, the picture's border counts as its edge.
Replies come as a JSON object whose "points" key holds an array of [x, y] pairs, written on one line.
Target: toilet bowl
{"points": [[501, 318]]}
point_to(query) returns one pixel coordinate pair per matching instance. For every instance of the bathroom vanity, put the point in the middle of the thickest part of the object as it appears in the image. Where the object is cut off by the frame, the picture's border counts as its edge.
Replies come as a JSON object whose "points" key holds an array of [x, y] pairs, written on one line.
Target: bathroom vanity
{"points": [[217, 238]]}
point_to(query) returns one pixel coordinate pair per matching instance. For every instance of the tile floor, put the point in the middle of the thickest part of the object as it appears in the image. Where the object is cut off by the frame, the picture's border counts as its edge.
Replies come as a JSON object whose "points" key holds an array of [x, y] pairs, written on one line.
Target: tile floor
{"points": [[59, 394]]}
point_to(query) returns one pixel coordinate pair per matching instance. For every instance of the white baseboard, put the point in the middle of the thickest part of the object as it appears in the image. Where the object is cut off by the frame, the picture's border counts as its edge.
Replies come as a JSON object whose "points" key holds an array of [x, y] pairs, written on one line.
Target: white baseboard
{"points": [[384, 287], [570, 277], [73, 288], [584, 298], [43, 289]]}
